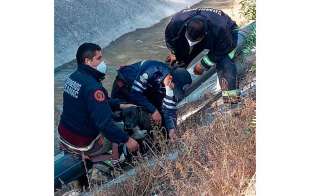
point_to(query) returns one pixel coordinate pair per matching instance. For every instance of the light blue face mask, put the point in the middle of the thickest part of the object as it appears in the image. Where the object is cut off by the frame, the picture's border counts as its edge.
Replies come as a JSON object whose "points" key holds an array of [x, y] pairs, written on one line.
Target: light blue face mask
{"points": [[102, 67]]}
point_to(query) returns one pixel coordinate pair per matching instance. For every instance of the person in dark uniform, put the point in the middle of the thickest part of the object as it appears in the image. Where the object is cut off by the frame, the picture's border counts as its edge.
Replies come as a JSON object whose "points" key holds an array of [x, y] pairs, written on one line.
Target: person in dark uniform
{"points": [[155, 86], [190, 31], [86, 125]]}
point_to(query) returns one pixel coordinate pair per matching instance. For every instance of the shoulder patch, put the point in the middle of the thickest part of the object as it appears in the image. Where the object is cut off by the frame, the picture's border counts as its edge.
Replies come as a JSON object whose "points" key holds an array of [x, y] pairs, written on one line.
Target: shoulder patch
{"points": [[99, 95], [144, 77]]}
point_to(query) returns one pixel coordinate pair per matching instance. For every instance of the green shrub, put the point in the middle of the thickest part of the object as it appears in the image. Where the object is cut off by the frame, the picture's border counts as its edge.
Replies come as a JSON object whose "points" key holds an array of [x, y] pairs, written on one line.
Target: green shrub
{"points": [[248, 9], [250, 43]]}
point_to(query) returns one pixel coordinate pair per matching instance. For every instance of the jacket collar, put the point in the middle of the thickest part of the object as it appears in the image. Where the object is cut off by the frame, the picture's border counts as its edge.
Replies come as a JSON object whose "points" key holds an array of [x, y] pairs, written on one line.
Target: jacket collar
{"points": [[93, 72]]}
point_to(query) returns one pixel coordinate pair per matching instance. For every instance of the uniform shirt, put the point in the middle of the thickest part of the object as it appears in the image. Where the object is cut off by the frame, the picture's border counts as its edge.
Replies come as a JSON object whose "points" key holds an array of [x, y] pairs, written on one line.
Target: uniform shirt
{"points": [[147, 89], [87, 107], [219, 38]]}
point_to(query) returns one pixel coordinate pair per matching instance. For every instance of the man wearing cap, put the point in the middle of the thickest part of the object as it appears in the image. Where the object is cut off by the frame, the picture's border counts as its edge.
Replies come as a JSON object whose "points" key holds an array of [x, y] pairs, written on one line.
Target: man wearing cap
{"points": [[86, 126], [190, 31], [155, 86]]}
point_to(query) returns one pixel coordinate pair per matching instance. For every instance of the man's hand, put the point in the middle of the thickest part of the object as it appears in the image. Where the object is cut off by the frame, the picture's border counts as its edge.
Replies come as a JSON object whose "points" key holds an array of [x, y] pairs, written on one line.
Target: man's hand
{"points": [[198, 69], [156, 117], [168, 81], [172, 135], [132, 145], [124, 106], [171, 59]]}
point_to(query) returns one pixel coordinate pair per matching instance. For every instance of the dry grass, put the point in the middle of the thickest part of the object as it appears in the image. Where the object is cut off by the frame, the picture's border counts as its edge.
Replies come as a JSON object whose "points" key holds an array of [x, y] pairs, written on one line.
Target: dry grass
{"points": [[215, 159]]}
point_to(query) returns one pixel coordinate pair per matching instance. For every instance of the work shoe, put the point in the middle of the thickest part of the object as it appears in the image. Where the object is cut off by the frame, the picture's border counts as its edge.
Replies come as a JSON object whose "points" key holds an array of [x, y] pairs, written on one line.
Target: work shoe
{"points": [[231, 97]]}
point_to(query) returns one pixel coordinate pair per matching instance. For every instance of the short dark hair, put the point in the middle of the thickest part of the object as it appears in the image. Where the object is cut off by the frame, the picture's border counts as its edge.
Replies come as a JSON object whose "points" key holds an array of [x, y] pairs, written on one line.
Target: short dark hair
{"points": [[86, 50], [195, 29]]}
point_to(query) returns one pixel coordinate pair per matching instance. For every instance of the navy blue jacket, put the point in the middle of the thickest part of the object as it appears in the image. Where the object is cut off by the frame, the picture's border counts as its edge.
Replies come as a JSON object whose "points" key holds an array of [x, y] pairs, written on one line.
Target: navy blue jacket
{"points": [[148, 90], [220, 38], [87, 107]]}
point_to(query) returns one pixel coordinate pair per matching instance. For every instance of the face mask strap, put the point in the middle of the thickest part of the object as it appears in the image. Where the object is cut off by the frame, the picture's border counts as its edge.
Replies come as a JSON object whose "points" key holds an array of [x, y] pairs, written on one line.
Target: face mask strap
{"points": [[102, 67]]}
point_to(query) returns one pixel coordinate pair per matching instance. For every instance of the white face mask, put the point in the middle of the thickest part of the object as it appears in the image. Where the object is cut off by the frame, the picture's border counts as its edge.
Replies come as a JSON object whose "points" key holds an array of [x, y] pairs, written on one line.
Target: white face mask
{"points": [[190, 42], [102, 67]]}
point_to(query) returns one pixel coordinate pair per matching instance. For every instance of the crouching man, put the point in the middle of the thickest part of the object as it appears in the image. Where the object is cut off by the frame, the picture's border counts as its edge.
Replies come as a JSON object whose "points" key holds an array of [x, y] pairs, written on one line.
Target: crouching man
{"points": [[86, 126], [156, 87], [191, 31]]}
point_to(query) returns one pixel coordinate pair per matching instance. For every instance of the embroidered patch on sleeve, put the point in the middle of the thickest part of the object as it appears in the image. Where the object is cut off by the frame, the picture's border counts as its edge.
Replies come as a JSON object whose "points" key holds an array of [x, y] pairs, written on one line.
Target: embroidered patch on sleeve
{"points": [[144, 77], [99, 95]]}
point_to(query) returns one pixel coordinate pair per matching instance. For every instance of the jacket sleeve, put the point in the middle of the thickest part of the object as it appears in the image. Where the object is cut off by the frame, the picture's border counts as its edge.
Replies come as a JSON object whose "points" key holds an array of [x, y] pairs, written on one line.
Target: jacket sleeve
{"points": [[223, 46], [139, 86], [169, 110], [170, 37], [101, 116], [114, 103]]}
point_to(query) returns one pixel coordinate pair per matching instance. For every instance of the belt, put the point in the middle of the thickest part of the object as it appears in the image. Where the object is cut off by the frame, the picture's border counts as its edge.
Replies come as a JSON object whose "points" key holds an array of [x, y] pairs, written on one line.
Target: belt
{"points": [[74, 141]]}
